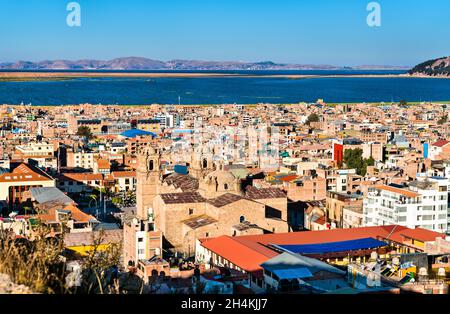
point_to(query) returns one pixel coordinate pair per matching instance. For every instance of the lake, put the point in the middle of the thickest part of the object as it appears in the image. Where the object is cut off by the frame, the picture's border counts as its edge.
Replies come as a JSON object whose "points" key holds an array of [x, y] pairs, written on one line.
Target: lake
{"points": [[259, 88]]}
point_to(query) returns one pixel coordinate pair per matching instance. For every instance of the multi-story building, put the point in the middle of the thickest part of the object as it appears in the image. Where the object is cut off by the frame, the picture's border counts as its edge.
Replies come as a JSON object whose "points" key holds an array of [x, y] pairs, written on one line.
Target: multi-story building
{"points": [[41, 155], [165, 121], [80, 159], [335, 204], [423, 203], [149, 125]]}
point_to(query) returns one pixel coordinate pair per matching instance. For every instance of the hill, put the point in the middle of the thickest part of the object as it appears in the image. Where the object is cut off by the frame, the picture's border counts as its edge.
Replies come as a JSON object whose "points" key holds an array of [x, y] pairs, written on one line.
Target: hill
{"points": [[139, 63], [435, 67]]}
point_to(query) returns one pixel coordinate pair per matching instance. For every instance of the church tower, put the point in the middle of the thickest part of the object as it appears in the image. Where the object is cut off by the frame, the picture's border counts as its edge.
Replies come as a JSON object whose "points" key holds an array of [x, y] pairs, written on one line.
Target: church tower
{"points": [[147, 176], [201, 163]]}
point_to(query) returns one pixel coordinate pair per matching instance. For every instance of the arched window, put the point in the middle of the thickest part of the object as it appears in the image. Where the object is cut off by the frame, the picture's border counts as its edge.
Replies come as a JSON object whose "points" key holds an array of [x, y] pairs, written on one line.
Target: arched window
{"points": [[151, 165], [225, 186], [205, 163], [242, 219]]}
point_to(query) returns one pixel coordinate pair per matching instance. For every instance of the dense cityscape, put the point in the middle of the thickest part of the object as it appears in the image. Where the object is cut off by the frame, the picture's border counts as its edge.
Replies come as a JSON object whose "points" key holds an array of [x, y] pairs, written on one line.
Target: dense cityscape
{"points": [[224, 156], [306, 198]]}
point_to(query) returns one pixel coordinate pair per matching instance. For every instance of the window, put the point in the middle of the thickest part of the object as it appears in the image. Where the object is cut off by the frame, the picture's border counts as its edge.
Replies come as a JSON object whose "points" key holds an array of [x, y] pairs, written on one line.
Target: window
{"points": [[191, 211], [140, 239], [151, 165], [225, 186], [242, 219]]}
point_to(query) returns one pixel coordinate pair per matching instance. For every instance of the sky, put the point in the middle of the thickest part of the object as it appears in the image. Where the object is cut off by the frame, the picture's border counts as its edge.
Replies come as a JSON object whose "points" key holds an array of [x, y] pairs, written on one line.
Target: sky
{"points": [[290, 31]]}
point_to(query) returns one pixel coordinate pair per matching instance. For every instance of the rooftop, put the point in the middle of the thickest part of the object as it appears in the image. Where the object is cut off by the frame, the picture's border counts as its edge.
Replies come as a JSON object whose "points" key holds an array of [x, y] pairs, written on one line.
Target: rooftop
{"points": [[182, 198]]}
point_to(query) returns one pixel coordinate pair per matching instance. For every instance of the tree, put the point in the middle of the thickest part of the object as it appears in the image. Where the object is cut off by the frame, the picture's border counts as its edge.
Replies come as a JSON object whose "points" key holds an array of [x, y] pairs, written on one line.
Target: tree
{"points": [[443, 119], [313, 117], [403, 103], [354, 160], [85, 131]]}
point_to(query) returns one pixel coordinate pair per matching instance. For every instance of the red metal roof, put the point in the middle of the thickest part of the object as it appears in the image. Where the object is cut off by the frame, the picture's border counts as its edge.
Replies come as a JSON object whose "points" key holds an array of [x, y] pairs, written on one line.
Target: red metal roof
{"points": [[248, 252]]}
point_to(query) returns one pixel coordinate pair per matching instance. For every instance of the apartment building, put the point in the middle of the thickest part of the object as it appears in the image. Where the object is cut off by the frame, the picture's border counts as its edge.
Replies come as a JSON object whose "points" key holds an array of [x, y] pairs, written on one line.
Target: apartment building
{"points": [[80, 159], [336, 202], [37, 154], [423, 203], [368, 136]]}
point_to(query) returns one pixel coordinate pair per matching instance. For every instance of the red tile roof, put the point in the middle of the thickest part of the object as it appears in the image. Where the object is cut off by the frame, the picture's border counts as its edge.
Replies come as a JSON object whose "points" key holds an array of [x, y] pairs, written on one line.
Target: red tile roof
{"points": [[80, 177], [441, 143], [25, 173], [124, 174]]}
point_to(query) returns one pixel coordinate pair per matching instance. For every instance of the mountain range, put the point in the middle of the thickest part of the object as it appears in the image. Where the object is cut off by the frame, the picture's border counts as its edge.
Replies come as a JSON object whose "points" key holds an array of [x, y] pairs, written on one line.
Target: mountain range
{"points": [[436, 67], [139, 63]]}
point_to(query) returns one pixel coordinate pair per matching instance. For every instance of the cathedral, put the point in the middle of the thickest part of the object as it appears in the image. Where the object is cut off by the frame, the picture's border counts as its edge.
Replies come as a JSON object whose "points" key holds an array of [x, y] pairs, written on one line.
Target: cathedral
{"points": [[208, 202]]}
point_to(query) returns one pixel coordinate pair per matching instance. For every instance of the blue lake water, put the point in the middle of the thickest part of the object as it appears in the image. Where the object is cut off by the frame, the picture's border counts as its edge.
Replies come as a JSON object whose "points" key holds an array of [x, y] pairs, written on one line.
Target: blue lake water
{"points": [[220, 90]]}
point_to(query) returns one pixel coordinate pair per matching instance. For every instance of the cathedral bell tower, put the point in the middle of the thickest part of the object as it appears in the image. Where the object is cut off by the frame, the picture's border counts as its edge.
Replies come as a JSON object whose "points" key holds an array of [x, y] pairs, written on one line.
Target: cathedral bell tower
{"points": [[147, 176], [201, 163]]}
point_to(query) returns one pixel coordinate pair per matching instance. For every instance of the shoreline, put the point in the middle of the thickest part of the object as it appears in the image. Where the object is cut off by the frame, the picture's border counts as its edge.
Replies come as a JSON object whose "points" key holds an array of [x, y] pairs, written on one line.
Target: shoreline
{"points": [[331, 104], [36, 76]]}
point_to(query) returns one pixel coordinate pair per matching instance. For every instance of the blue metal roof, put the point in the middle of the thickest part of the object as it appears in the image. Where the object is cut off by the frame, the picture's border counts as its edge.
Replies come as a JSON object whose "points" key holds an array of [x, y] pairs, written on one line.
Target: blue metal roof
{"points": [[293, 273], [135, 132], [333, 247]]}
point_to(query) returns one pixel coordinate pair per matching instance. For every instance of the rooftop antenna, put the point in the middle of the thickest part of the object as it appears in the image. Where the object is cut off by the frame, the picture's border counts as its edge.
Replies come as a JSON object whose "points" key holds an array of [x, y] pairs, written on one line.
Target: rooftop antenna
{"points": [[179, 100]]}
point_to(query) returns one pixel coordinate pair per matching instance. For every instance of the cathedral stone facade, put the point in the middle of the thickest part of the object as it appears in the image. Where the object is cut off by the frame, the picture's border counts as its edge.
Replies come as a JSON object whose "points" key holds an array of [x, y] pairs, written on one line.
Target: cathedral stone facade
{"points": [[208, 202]]}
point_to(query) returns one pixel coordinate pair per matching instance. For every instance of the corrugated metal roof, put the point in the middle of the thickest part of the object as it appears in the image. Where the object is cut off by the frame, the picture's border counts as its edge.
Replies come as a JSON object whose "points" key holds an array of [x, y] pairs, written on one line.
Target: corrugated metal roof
{"points": [[333, 247], [135, 132], [49, 194]]}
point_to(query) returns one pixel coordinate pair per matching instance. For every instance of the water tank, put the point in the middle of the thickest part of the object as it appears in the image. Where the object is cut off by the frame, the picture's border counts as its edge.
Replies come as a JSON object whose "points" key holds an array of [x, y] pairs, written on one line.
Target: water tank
{"points": [[423, 271]]}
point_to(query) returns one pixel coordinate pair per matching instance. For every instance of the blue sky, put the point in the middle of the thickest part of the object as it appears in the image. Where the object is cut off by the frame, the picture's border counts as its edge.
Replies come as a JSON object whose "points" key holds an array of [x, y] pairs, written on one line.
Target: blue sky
{"points": [[295, 31]]}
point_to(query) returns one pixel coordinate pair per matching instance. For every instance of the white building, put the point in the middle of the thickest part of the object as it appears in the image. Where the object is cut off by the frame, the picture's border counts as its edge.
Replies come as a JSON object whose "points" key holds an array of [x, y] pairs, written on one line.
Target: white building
{"points": [[165, 121], [422, 204], [38, 154], [81, 159]]}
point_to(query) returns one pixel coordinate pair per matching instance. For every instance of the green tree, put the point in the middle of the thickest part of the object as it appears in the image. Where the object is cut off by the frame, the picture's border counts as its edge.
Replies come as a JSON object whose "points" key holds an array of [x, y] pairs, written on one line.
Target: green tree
{"points": [[313, 117], [85, 131], [353, 158], [443, 119]]}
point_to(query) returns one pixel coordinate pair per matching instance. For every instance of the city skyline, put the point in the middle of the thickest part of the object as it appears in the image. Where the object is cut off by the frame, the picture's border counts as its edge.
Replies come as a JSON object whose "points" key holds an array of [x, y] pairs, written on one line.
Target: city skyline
{"points": [[294, 32]]}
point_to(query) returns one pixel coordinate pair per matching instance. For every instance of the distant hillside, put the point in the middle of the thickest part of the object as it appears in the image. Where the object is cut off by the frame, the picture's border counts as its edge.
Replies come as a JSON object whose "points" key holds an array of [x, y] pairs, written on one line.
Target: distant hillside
{"points": [[435, 67], [138, 63]]}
